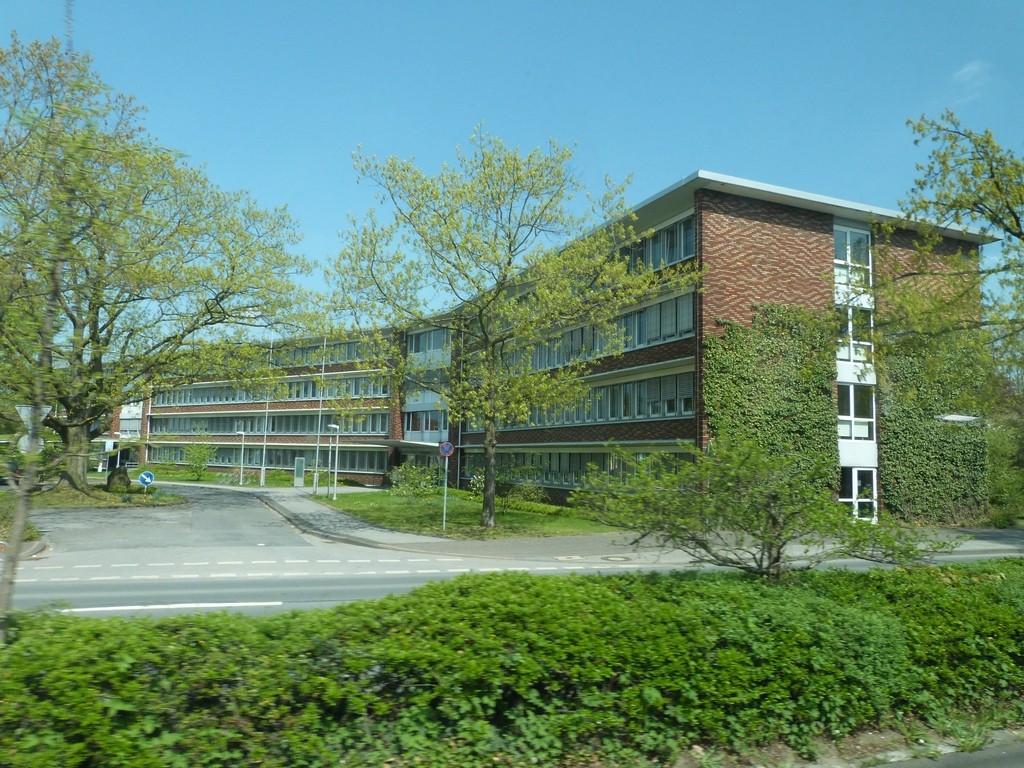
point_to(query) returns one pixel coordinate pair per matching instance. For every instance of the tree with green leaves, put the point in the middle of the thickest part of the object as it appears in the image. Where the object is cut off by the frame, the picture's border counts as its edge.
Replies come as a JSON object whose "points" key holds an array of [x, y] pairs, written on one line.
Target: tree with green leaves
{"points": [[948, 321], [154, 274], [746, 507], [198, 454], [498, 255]]}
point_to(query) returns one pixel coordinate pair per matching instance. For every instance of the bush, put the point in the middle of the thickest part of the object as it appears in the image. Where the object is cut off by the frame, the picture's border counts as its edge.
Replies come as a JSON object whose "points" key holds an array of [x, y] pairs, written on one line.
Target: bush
{"points": [[411, 479], [513, 669]]}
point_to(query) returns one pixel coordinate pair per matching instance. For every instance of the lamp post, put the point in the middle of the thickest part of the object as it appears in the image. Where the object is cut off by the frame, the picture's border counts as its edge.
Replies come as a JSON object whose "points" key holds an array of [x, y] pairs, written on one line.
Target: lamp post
{"points": [[241, 459], [337, 446], [117, 458]]}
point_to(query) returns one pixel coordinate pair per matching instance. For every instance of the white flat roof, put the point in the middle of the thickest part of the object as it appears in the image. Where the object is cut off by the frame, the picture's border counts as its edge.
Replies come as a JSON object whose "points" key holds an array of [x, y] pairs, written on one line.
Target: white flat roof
{"points": [[679, 196]]}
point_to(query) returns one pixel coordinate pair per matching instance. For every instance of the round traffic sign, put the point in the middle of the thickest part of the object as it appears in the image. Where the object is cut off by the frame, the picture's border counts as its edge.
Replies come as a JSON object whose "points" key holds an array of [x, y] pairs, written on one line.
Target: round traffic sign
{"points": [[447, 449], [146, 478]]}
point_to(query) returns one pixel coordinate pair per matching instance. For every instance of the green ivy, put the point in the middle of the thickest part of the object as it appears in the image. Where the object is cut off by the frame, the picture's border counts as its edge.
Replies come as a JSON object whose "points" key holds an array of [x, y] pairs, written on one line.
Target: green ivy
{"points": [[772, 383], [932, 471]]}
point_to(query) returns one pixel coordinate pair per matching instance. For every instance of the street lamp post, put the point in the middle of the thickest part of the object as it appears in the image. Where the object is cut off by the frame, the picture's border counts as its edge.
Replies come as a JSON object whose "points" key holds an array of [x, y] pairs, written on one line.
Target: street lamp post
{"points": [[337, 447], [117, 458], [241, 459]]}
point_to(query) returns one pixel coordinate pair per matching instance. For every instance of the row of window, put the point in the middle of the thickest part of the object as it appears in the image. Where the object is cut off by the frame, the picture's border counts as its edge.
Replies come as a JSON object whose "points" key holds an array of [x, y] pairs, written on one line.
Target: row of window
{"points": [[297, 389], [554, 468], [375, 423], [669, 245], [665, 321], [320, 354], [349, 460], [656, 397]]}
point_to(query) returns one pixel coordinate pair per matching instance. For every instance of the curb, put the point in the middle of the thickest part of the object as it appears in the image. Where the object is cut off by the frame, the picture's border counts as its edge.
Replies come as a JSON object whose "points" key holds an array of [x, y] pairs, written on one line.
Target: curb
{"points": [[31, 549], [299, 522]]}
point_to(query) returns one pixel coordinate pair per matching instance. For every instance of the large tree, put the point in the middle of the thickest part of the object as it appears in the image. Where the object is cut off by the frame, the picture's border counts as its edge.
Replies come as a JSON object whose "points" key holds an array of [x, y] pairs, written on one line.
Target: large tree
{"points": [[154, 274], [501, 254]]}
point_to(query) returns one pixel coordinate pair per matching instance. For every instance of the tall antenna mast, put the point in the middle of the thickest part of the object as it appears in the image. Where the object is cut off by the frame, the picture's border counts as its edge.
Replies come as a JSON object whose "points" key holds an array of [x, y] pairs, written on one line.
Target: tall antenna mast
{"points": [[69, 24]]}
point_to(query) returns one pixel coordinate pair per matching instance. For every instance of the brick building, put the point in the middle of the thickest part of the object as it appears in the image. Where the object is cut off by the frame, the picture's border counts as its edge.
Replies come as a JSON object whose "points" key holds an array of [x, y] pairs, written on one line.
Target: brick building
{"points": [[755, 243]]}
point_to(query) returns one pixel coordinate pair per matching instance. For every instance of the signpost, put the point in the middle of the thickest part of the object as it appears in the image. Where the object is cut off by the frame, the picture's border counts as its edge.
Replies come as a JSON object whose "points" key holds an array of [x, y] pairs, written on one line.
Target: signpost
{"points": [[146, 478], [446, 449]]}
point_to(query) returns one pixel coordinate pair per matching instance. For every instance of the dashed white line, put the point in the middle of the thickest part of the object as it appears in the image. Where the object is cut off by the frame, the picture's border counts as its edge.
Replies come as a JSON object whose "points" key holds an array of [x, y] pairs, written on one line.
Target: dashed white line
{"points": [[222, 575], [184, 575], [296, 561], [87, 566], [48, 568], [328, 561], [124, 565], [148, 576], [259, 575], [104, 578], [263, 562], [206, 563], [229, 562], [159, 565], [395, 573]]}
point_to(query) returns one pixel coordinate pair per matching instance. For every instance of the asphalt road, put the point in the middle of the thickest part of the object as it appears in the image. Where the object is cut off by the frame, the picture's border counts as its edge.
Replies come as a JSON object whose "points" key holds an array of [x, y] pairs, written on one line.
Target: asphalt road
{"points": [[228, 551]]}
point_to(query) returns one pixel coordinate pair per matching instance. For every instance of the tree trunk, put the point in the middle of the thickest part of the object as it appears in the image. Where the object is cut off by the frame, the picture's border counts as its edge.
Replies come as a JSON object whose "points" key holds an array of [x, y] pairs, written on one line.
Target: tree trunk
{"points": [[25, 484], [14, 543], [76, 459], [487, 519]]}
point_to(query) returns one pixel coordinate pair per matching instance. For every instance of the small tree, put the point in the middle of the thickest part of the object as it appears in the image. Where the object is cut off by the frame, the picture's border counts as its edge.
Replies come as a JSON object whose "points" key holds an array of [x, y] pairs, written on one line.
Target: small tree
{"points": [[197, 457], [742, 507]]}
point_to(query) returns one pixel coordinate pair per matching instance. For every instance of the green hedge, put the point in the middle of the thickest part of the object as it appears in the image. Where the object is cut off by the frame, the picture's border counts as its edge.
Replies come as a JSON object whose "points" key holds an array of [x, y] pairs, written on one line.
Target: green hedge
{"points": [[511, 669]]}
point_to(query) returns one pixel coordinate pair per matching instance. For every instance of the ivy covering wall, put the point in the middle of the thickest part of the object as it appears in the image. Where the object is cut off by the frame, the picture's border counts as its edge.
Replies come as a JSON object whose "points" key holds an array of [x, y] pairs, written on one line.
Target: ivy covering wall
{"points": [[932, 471], [772, 383]]}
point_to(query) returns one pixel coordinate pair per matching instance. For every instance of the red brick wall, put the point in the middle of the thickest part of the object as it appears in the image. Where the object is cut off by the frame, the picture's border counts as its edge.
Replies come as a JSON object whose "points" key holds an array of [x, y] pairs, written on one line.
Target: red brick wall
{"points": [[754, 253]]}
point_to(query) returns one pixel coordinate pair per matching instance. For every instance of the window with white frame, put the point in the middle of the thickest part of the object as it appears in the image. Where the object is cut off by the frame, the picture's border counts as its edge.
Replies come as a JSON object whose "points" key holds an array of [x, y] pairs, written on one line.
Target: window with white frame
{"points": [[428, 341], [856, 412], [852, 258], [857, 488], [670, 245], [855, 324]]}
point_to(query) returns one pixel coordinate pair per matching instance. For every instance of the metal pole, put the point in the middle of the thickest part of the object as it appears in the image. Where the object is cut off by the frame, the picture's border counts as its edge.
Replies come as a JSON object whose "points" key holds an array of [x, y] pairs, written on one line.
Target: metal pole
{"points": [[337, 455], [241, 460], [444, 508]]}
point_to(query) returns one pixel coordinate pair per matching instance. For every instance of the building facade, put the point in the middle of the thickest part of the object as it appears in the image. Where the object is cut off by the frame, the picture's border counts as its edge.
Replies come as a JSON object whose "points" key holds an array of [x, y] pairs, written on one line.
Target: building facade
{"points": [[754, 243]]}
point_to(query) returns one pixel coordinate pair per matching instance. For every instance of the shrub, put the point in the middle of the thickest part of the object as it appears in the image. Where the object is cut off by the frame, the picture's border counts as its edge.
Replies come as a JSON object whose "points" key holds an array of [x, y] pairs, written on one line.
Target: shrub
{"points": [[411, 479], [512, 669]]}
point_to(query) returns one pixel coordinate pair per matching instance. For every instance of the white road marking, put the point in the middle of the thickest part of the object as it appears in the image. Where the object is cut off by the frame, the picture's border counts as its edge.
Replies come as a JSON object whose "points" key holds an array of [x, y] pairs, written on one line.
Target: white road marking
{"points": [[172, 606]]}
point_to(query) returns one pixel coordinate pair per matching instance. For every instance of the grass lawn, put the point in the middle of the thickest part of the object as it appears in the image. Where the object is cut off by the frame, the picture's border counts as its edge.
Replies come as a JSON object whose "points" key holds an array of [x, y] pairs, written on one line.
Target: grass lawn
{"points": [[418, 514]]}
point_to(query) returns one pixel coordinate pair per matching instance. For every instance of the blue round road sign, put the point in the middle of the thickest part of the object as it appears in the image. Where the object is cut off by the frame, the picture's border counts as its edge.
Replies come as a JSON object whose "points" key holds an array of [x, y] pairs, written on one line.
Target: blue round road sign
{"points": [[146, 478], [447, 449]]}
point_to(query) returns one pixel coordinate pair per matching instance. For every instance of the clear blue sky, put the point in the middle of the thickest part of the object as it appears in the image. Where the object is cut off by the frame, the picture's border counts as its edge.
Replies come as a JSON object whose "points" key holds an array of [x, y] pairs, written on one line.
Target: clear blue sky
{"points": [[272, 96]]}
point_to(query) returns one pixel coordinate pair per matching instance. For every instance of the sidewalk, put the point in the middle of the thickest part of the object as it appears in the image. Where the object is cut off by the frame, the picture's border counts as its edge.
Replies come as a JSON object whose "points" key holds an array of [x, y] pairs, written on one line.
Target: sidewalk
{"points": [[308, 514], [303, 510]]}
